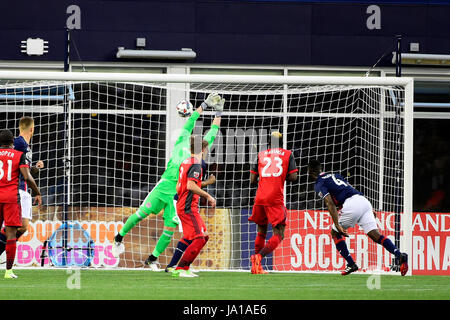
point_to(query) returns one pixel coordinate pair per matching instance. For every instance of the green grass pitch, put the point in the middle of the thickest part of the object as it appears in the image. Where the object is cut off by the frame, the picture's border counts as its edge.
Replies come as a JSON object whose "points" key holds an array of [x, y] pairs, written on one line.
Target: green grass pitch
{"points": [[143, 284]]}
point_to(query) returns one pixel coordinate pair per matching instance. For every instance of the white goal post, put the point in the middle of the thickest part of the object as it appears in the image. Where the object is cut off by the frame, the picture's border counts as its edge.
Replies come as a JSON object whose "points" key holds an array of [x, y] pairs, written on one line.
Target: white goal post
{"points": [[106, 137]]}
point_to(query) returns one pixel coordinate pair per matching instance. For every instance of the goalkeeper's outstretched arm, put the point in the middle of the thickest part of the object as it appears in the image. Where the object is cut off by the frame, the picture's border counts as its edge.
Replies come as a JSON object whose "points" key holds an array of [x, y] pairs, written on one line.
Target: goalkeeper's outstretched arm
{"points": [[212, 133], [212, 101]]}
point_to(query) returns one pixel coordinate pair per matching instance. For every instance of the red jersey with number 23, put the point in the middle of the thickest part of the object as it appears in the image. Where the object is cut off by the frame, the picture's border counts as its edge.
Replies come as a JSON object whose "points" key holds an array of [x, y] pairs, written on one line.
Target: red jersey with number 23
{"points": [[10, 163], [273, 166]]}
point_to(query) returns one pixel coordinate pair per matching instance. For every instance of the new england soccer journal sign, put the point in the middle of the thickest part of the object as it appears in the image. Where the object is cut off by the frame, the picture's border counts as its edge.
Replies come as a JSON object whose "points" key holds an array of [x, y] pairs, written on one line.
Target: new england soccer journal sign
{"points": [[308, 244]]}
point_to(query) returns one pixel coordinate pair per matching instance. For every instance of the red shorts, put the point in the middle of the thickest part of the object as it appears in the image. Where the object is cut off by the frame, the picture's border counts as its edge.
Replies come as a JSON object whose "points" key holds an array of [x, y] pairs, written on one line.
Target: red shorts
{"points": [[11, 214], [193, 225], [275, 215]]}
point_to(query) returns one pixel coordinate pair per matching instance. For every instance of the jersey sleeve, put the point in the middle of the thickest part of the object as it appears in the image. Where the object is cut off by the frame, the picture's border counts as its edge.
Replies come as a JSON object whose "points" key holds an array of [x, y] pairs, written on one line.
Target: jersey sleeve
{"points": [[211, 135], [321, 189], [195, 172], [23, 162], [292, 165], [186, 131], [19, 145]]}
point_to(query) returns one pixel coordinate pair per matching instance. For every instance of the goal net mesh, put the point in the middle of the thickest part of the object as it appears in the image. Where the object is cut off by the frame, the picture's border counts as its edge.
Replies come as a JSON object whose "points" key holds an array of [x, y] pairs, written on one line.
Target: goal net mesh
{"points": [[104, 149]]}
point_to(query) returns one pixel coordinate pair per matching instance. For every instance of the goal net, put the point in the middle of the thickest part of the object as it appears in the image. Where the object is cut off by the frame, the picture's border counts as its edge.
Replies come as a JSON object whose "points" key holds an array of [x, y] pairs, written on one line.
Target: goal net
{"points": [[105, 143]]}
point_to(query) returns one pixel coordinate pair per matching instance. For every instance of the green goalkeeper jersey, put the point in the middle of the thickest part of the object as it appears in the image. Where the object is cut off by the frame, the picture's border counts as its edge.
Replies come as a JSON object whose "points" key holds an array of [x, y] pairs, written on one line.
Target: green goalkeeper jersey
{"points": [[181, 152]]}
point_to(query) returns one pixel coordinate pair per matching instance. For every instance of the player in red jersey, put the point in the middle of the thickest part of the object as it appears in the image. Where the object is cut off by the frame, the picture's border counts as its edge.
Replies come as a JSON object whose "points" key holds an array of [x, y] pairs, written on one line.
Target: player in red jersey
{"points": [[273, 167], [189, 191], [12, 163]]}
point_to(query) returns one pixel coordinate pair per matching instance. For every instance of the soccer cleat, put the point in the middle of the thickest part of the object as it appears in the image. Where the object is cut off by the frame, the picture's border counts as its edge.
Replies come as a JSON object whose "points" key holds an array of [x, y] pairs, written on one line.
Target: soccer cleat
{"points": [[10, 275], [169, 269], [350, 269], [256, 264], [403, 261], [154, 265], [181, 273], [117, 249]]}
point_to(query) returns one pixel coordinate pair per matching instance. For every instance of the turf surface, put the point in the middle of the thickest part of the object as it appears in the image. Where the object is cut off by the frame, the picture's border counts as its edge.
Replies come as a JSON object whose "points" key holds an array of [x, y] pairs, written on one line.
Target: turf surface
{"points": [[143, 284]]}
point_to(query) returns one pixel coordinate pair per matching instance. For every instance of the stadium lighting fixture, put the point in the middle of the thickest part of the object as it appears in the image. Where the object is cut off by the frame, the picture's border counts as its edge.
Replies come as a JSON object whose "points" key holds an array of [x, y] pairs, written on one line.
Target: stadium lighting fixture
{"points": [[423, 59], [183, 54]]}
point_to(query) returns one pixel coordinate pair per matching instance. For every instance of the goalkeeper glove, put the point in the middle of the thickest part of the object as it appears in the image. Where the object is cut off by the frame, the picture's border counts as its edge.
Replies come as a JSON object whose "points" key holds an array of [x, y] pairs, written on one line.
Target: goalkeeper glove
{"points": [[211, 101], [219, 107]]}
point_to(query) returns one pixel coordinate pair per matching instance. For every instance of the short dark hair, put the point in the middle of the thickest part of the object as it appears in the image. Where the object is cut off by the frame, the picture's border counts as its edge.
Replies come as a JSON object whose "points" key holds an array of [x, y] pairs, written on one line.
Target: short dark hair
{"points": [[314, 166], [198, 144], [6, 138]]}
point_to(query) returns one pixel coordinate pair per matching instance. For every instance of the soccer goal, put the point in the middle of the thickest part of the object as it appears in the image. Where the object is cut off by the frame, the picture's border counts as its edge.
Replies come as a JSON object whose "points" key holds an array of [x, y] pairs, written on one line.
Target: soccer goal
{"points": [[105, 140]]}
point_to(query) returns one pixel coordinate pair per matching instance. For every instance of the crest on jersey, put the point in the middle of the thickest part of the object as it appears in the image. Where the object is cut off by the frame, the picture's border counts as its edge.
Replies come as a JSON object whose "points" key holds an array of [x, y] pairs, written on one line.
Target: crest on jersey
{"points": [[196, 175]]}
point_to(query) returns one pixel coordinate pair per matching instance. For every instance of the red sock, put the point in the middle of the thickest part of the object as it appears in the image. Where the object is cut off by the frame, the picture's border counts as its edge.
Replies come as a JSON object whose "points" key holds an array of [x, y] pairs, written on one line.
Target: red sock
{"points": [[192, 252], [259, 242], [271, 245], [10, 253]]}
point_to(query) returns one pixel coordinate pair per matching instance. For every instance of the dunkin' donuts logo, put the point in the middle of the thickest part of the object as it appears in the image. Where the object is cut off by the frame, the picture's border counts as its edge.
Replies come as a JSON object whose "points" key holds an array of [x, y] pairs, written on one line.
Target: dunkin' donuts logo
{"points": [[29, 246]]}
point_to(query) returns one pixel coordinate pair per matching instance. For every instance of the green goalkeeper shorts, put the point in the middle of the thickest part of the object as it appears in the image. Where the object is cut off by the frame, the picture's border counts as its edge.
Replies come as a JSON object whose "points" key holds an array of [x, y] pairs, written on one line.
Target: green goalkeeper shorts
{"points": [[160, 199]]}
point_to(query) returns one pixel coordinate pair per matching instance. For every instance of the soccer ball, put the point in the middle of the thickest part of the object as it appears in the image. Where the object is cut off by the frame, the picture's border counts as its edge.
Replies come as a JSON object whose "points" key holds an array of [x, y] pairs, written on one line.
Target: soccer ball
{"points": [[184, 108]]}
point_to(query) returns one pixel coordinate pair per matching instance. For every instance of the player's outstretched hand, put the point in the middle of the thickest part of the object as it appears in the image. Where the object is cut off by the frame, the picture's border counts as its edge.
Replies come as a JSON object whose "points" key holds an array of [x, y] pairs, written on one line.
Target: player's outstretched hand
{"points": [[211, 179], [40, 164], [212, 201], [219, 107], [211, 101], [38, 200]]}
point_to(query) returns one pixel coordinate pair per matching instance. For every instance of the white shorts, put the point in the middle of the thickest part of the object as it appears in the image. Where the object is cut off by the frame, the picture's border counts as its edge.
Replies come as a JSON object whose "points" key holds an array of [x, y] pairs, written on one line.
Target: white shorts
{"points": [[25, 202], [357, 210]]}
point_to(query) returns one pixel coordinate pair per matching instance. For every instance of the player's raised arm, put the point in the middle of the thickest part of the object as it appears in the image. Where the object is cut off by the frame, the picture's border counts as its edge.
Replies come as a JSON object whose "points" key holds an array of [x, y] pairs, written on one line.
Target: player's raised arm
{"points": [[212, 133], [25, 171], [210, 102]]}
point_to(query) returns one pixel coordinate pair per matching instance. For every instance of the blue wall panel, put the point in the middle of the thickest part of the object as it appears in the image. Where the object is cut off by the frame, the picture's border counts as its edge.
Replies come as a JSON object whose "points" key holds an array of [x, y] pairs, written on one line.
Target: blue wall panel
{"points": [[238, 32]]}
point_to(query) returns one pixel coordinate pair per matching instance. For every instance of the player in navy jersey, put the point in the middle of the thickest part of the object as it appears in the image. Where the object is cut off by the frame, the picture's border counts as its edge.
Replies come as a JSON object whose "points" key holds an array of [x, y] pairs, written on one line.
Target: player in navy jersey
{"points": [[12, 163], [354, 209], [22, 143]]}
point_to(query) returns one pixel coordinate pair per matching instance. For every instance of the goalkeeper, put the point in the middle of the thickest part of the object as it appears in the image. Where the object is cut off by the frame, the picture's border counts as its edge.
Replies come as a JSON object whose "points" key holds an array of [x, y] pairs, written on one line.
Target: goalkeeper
{"points": [[162, 195]]}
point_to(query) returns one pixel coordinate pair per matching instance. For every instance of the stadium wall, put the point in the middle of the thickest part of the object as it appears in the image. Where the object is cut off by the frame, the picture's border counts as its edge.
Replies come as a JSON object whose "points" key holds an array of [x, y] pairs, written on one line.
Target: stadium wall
{"points": [[231, 32]]}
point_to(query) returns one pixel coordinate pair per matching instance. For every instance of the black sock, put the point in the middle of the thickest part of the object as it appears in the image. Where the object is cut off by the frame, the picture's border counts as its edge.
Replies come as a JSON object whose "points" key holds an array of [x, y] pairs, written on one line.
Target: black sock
{"points": [[178, 253], [2, 243], [152, 258], [118, 238]]}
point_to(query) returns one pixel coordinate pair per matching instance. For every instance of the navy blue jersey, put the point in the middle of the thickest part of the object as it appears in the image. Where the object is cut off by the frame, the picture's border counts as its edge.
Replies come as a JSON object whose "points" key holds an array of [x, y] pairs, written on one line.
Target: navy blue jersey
{"points": [[21, 145], [336, 186]]}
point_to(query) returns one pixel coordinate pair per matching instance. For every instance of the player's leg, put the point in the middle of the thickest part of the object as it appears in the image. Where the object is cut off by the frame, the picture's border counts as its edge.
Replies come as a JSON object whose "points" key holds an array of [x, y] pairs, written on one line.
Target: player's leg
{"points": [[13, 220], [190, 254], [260, 239], [151, 205], [341, 247], [377, 237], [27, 212], [171, 222], [194, 229], [349, 215], [182, 245], [2, 240], [276, 216]]}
